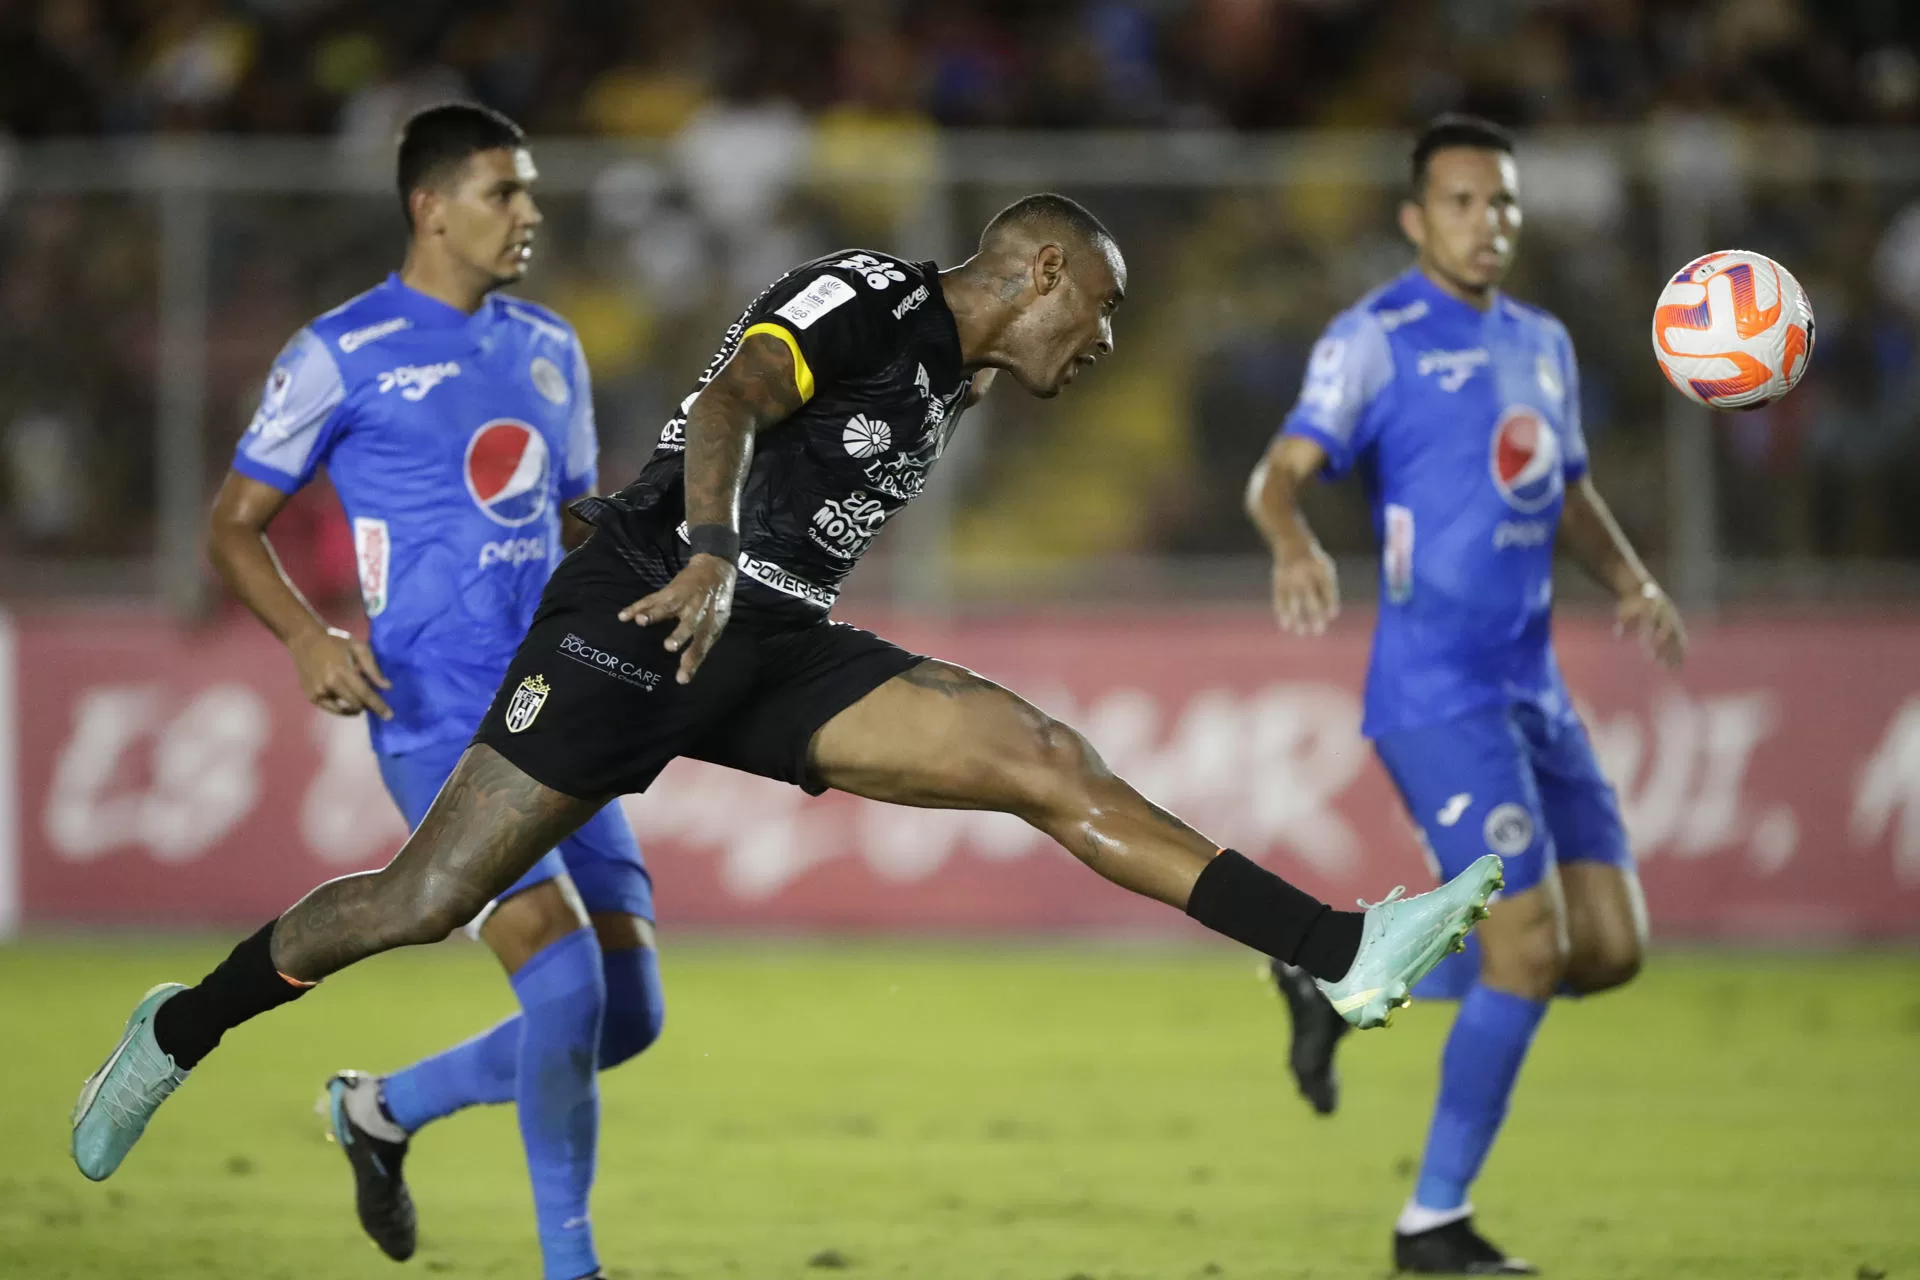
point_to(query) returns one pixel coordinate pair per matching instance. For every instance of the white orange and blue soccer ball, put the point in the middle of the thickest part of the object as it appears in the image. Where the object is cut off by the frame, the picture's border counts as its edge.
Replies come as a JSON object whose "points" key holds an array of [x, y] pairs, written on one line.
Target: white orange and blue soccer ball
{"points": [[1733, 330]]}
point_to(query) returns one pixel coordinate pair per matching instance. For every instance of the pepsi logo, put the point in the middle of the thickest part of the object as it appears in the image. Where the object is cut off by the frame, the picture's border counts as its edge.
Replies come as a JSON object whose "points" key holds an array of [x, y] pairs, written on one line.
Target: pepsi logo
{"points": [[507, 468], [1526, 459]]}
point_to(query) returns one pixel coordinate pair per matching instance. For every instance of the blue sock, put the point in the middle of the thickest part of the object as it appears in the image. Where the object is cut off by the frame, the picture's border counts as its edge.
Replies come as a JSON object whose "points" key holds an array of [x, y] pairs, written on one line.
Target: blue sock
{"points": [[474, 1072], [1477, 1072], [636, 1004], [483, 1071], [563, 993]]}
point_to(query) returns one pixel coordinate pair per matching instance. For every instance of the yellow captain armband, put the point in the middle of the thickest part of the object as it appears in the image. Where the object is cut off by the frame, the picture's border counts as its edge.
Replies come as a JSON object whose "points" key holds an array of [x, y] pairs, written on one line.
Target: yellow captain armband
{"points": [[802, 374]]}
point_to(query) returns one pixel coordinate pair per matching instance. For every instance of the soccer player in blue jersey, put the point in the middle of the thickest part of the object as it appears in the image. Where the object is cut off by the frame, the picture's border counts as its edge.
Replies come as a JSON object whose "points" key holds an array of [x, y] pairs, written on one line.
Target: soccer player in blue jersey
{"points": [[1460, 409], [455, 423]]}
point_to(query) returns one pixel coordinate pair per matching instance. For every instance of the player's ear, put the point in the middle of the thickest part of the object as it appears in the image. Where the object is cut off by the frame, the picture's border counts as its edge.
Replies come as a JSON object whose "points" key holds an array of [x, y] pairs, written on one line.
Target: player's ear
{"points": [[1049, 269], [1413, 223], [423, 203]]}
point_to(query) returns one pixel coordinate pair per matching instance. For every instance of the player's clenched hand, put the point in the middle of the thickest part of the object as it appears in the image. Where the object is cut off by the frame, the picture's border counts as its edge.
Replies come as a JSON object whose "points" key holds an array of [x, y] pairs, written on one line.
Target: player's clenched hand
{"points": [[701, 598], [339, 674], [1651, 614], [1306, 591]]}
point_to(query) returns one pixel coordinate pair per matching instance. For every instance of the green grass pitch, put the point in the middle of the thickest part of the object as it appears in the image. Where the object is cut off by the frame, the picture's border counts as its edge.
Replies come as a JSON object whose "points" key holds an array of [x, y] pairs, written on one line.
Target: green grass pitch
{"points": [[996, 1111]]}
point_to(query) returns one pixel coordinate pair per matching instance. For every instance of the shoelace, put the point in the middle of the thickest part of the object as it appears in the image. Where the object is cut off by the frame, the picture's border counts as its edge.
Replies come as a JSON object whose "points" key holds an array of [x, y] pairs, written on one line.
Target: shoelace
{"points": [[1399, 892], [125, 1102]]}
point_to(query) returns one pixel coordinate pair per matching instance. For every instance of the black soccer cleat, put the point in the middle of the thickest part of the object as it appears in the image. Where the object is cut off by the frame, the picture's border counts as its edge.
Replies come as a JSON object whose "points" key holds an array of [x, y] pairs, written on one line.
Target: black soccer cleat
{"points": [[1454, 1249], [1317, 1029], [379, 1189]]}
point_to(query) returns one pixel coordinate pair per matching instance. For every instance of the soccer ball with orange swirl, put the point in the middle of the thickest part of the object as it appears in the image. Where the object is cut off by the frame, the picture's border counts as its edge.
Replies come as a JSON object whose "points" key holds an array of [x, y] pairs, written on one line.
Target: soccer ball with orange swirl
{"points": [[1733, 330]]}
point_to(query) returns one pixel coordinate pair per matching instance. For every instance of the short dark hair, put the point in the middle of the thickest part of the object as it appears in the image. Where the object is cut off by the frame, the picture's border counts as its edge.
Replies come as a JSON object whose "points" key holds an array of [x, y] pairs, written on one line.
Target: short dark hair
{"points": [[1454, 130], [1047, 211], [437, 140]]}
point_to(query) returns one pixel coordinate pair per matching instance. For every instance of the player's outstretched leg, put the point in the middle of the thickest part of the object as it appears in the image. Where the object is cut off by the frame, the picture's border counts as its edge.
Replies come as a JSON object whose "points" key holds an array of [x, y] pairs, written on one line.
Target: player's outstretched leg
{"points": [[488, 825], [939, 736]]}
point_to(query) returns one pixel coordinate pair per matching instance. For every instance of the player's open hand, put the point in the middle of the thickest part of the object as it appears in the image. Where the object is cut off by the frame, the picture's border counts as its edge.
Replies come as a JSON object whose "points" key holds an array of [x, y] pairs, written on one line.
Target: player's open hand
{"points": [[339, 674], [1651, 614], [1306, 591], [701, 598]]}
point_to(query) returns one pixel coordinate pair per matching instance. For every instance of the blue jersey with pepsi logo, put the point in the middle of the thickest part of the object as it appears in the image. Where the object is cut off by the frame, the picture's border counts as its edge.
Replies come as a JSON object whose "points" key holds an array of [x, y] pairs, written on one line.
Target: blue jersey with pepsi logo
{"points": [[1464, 426], [453, 441]]}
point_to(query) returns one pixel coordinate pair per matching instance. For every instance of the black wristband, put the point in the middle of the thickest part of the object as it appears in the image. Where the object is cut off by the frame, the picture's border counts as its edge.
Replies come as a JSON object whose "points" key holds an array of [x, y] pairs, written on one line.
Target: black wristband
{"points": [[714, 540], [1240, 898]]}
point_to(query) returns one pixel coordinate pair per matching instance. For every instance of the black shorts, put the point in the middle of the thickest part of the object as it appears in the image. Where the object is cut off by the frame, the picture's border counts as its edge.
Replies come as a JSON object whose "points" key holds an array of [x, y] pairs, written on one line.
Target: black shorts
{"points": [[590, 706]]}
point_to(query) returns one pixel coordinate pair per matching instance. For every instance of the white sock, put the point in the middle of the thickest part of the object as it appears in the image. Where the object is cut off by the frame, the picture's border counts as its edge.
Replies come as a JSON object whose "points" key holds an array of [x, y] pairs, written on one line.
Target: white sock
{"points": [[363, 1108], [1416, 1217]]}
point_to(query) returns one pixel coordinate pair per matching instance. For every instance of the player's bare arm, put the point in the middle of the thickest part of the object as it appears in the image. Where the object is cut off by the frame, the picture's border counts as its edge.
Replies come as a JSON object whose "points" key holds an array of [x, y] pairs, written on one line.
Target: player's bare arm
{"points": [[337, 673], [1594, 537], [756, 389], [1306, 589]]}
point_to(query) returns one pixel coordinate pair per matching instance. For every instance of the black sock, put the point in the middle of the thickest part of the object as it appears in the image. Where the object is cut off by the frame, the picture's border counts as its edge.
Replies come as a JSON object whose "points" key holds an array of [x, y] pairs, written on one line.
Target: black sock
{"points": [[244, 985], [1243, 900], [1330, 944]]}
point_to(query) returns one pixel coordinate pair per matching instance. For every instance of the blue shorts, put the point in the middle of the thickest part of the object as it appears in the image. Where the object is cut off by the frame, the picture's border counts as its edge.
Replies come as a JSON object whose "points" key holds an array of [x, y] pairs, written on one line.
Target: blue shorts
{"points": [[1510, 780], [602, 857]]}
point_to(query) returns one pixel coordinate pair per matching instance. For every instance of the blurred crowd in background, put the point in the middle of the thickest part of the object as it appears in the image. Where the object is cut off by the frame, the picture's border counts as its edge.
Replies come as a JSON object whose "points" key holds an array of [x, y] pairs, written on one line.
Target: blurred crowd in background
{"points": [[353, 67], [740, 138]]}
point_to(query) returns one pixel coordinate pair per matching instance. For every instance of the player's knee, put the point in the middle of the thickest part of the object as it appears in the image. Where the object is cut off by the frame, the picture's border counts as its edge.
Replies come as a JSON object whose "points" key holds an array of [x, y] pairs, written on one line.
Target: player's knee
{"points": [[1597, 969], [636, 1005], [436, 906], [1054, 767], [1527, 957]]}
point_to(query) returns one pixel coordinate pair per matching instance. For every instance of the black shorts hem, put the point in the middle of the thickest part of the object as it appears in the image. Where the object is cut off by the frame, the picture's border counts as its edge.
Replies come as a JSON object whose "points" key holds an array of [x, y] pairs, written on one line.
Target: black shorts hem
{"points": [[862, 679], [498, 743]]}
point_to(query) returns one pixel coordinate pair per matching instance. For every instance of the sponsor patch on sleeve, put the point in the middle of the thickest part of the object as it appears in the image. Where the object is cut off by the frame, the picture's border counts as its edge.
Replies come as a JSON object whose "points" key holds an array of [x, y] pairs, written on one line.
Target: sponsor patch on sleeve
{"points": [[814, 301], [373, 552]]}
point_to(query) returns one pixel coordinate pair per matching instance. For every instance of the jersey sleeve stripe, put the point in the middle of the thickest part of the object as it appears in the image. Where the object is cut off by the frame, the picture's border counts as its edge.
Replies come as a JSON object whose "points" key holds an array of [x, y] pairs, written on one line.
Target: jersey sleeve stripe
{"points": [[802, 373], [1339, 452], [254, 469]]}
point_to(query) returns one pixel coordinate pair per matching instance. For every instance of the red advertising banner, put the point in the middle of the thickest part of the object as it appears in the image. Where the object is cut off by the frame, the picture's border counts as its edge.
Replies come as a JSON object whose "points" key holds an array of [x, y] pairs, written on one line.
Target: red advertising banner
{"points": [[177, 777]]}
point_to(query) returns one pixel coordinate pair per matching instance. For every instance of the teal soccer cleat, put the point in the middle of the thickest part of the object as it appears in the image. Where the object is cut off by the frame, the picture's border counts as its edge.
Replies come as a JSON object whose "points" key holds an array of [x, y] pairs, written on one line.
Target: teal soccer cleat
{"points": [[1403, 938], [118, 1099]]}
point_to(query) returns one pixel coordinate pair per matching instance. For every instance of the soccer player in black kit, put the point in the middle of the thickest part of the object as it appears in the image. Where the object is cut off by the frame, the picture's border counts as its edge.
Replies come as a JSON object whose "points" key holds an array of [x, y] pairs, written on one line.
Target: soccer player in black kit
{"points": [[694, 622]]}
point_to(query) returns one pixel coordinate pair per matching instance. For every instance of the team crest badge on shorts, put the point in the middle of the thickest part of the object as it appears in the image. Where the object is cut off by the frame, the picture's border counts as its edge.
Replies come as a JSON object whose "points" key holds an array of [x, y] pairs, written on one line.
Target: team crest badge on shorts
{"points": [[526, 704], [1508, 830]]}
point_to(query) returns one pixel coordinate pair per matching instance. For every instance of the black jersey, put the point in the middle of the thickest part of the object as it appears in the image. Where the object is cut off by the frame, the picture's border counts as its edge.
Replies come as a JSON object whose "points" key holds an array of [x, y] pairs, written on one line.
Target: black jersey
{"points": [[877, 358]]}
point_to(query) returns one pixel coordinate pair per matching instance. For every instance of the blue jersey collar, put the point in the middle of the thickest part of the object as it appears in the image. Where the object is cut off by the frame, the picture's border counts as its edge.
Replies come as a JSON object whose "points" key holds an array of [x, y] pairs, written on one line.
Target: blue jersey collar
{"points": [[431, 313], [1437, 297]]}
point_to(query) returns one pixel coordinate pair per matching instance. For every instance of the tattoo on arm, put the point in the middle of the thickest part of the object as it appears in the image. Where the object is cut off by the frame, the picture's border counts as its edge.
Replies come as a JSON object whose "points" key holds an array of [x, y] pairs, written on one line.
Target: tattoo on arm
{"points": [[755, 390]]}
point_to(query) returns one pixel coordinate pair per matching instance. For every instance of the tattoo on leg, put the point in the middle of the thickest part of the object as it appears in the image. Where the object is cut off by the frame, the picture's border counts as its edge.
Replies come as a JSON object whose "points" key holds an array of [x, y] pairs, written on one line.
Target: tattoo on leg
{"points": [[489, 824], [945, 679], [1168, 820]]}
